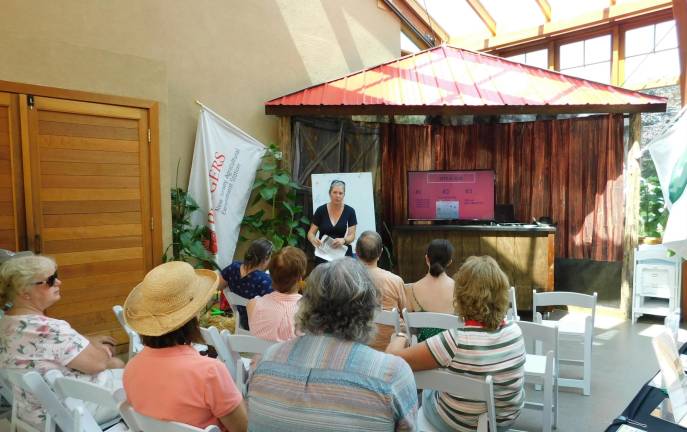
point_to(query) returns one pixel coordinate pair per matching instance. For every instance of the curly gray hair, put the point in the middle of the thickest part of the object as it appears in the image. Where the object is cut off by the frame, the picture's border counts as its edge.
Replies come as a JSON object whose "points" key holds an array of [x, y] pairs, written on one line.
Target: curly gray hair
{"points": [[339, 300]]}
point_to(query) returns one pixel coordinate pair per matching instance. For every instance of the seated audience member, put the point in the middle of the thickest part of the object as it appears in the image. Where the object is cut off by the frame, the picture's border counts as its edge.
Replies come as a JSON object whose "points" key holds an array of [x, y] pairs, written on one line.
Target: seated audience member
{"points": [[272, 316], [434, 292], [487, 345], [390, 287], [248, 278], [29, 340], [169, 380], [329, 379]]}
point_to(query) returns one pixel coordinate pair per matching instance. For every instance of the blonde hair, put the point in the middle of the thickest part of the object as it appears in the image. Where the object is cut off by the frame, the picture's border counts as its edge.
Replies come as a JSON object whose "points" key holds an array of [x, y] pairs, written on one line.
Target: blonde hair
{"points": [[18, 275], [481, 291]]}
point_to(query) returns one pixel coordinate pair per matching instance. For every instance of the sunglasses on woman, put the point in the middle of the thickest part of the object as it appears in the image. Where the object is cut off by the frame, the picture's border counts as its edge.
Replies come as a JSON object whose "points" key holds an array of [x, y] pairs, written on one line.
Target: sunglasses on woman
{"points": [[50, 281]]}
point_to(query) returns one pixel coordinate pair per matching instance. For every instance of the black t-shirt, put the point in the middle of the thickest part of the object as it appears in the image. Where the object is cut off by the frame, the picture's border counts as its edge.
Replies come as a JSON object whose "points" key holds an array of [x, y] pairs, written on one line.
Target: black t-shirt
{"points": [[323, 222]]}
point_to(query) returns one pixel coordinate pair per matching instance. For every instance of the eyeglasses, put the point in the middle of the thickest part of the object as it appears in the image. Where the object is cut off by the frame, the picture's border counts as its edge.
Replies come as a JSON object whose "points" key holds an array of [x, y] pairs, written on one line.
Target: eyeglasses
{"points": [[50, 281]]}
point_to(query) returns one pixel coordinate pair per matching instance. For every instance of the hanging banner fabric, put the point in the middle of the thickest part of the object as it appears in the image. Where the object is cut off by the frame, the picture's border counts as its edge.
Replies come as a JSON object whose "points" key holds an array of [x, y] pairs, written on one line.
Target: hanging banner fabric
{"points": [[669, 152], [225, 160]]}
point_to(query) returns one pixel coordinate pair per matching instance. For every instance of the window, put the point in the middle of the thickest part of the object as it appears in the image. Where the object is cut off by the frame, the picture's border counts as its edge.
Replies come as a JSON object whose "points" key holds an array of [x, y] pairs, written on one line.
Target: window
{"points": [[407, 45], [589, 59], [651, 55], [538, 58]]}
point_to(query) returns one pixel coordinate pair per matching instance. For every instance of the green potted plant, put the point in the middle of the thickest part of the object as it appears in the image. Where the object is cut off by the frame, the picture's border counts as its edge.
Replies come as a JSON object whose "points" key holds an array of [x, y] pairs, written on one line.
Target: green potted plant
{"points": [[280, 218]]}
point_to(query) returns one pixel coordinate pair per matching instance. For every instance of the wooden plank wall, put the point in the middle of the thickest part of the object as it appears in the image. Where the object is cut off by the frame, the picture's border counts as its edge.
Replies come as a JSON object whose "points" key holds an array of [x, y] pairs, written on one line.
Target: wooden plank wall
{"points": [[92, 206], [11, 194]]}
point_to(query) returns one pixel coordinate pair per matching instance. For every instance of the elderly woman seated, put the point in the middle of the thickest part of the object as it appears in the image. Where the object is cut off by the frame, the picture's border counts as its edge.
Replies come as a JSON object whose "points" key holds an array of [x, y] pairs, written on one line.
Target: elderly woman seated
{"points": [[272, 316], [169, 380], [487, 345], [328, 379], [30, 340]]}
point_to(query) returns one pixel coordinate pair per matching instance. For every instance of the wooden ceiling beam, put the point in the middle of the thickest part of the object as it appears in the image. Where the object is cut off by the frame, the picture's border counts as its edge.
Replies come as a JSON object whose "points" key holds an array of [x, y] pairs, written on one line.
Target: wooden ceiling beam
{"points": [[439, 32], [545, 9], [484, 15], [680, 14], [615, 13], [416, 24]]}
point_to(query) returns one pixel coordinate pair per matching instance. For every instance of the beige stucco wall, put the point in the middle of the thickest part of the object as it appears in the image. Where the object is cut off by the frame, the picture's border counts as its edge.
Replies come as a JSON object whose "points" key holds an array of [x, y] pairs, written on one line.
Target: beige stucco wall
{"points": [[232, 55]]}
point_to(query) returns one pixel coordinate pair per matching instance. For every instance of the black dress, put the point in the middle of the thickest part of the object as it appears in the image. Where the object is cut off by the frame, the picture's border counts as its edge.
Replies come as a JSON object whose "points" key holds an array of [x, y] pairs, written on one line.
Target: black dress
{"points": [[323, 222]]}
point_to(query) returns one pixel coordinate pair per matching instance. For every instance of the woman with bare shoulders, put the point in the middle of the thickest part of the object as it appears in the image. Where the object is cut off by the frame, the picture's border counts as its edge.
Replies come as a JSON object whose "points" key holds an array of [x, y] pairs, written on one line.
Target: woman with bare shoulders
{"points": [[434, 292]]}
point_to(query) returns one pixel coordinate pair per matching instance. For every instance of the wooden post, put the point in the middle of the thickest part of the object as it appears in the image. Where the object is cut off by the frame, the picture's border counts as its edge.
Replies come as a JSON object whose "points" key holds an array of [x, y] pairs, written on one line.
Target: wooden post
{"points": [[284, 142], [680, 15], [631, 233]]}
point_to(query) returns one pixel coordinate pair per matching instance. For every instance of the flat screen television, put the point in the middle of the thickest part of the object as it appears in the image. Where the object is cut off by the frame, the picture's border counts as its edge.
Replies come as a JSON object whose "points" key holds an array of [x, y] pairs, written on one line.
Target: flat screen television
{"points": [[451, 195]]}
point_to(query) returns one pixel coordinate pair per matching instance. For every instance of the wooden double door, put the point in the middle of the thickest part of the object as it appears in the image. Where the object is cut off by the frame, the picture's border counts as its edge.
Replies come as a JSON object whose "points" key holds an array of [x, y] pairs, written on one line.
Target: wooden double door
{"points": [[77, 186]]}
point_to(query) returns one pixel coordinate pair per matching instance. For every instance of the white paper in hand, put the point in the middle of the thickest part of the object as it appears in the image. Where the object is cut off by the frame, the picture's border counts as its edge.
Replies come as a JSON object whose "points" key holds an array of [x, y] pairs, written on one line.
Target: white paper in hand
{"points": [[672, 372], [327, 251]]}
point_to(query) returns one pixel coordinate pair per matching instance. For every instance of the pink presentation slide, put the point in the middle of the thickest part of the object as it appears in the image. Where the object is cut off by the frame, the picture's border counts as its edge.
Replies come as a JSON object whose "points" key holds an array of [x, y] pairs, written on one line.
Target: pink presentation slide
{"points": [[451, 195]]}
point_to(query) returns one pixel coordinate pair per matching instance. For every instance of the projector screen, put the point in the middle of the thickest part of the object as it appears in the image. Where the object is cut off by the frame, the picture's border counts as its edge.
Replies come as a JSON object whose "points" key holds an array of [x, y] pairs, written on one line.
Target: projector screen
{"points": [[451, 195]]}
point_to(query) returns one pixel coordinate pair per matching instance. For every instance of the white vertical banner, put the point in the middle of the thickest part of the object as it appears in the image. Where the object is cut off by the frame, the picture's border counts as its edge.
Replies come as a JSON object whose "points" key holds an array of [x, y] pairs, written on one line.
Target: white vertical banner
{"points": [[669, 152], [225, 160]]}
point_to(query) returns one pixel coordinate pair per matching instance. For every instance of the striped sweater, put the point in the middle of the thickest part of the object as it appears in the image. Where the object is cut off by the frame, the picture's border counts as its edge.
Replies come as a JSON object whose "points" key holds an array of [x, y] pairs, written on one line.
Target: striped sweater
{"points": [[477, 351], [320, 383]]}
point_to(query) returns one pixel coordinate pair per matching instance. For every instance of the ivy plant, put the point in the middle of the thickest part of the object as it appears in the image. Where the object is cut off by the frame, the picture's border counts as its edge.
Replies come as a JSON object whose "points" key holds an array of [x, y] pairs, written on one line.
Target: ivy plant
{"points": [[280, 218]]}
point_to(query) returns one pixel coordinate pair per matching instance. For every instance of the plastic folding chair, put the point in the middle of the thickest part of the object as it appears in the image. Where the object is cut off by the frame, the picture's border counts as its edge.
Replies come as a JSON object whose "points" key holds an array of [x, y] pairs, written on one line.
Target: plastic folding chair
{"points": [[212, 338], [389, 318], [542, 370], [236, 300], [135, 345], [6, 397], [512, 314], [69, 419], [238, 344], [462, 386], [140, 423], [74, 392], [418, 320], [572, 327]]}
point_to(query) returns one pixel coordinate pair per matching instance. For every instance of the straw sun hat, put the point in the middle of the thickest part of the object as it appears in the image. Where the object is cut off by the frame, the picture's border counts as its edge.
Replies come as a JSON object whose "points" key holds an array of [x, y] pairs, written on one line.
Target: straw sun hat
{"points": [[170, 295]]}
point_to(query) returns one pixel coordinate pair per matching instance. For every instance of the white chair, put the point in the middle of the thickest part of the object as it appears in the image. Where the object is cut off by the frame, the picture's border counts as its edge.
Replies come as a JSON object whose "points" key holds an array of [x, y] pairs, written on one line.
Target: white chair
{"points": [[236, 300], [75, 419], [135, 345], [212, 338], [238, 344], [575, 327], [460, 385], [140, 423], [389, 318], [542, 370], [6, 396], [74, 392], [418, 320], [512, 314], [13, 379]]}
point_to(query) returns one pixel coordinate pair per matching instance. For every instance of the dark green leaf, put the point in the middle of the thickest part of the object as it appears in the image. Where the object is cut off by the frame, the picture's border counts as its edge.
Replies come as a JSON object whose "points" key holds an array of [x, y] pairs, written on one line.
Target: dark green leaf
{"points": [[268, 193], [282, 178]]}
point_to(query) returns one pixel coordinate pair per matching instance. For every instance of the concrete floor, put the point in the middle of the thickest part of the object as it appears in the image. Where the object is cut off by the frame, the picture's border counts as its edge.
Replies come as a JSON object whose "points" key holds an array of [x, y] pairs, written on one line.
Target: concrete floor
{"points": [[622, 361]]}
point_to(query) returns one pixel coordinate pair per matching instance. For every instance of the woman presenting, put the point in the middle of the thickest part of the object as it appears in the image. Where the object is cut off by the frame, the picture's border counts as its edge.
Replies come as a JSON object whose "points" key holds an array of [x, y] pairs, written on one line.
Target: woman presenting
{"points": [[334, 219]]}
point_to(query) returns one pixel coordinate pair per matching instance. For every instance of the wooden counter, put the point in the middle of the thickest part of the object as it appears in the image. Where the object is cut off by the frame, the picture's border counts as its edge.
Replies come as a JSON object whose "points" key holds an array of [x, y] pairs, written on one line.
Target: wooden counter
{"points": [[524, 252]]}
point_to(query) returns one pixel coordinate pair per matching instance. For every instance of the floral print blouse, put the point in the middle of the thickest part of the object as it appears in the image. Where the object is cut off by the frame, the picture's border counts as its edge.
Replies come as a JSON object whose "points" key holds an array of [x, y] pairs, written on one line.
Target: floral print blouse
{"points": [[36, 342]]}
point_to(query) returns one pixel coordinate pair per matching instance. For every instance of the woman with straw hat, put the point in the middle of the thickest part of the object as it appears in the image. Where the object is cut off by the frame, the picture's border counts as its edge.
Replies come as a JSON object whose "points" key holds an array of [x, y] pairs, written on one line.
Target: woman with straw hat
{"points": [[169, 380]]}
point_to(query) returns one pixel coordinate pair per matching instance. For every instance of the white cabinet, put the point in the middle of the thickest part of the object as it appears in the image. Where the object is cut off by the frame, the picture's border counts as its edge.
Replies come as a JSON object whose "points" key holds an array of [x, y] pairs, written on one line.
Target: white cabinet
{"points": [[657, 279]]}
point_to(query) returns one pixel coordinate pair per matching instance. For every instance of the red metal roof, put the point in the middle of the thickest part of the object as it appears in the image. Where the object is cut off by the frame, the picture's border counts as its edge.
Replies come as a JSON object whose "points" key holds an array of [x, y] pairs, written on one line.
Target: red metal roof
{"points": [[450, 80]]}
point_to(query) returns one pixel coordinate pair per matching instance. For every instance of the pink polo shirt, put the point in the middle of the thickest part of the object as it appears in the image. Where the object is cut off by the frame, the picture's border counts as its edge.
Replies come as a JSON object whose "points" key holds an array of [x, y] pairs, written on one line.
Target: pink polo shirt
{"points": [[273, 316], [178, 384]]}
